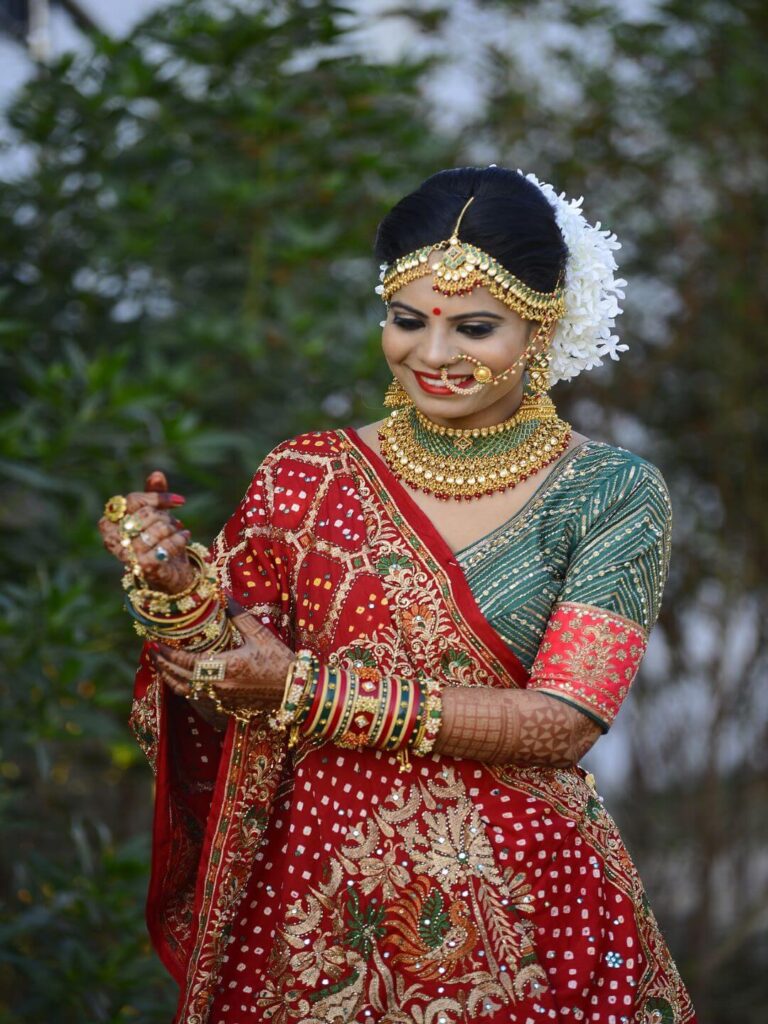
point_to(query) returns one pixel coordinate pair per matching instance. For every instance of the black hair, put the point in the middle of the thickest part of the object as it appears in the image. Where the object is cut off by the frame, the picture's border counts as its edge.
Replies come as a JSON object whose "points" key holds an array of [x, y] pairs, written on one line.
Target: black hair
{"points": [[510, 219]]}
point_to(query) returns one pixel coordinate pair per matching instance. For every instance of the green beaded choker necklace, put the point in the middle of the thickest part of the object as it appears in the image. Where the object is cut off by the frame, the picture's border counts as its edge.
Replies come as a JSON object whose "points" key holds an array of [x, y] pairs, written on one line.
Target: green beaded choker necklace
{"points": [[468, 463]]}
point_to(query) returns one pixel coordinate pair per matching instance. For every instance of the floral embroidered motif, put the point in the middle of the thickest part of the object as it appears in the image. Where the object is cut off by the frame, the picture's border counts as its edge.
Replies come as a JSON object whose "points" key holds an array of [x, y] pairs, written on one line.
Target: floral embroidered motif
{"points": [[588, 657], [413, 895], [144, 720]]}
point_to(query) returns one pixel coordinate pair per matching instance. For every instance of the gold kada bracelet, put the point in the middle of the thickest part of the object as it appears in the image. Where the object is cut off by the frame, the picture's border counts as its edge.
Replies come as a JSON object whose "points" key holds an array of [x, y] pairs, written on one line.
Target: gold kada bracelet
{"points": [[299, 682]]}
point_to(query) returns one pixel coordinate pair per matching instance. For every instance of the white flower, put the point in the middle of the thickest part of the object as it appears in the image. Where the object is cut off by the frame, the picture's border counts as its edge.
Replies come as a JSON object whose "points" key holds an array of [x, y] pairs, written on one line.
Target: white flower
{"points": [[592, 291]]}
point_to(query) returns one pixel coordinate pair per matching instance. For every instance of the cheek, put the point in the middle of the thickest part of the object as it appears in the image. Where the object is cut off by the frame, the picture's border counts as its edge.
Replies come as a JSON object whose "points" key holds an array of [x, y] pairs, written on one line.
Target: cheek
{"points": [[394, 344]]}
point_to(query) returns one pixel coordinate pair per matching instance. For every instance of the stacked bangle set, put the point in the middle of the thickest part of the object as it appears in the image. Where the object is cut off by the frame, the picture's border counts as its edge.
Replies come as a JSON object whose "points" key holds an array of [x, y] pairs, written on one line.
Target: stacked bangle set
{"points": [[319, 702], [195, 618], [338, 706]]}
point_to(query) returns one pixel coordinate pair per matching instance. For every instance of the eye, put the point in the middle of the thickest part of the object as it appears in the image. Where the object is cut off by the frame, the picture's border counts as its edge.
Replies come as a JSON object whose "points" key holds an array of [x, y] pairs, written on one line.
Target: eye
{"points": [[479, 330], [408, 323]]}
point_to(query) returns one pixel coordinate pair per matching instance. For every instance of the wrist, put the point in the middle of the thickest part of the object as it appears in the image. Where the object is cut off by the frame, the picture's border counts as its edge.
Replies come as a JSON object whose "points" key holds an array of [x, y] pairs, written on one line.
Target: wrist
{"points": [[387, 713], [192, 617]]}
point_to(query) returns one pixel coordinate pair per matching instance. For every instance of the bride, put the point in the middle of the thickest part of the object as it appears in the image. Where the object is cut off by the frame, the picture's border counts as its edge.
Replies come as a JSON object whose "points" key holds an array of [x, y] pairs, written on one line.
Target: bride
{"points": [[366, 705]]}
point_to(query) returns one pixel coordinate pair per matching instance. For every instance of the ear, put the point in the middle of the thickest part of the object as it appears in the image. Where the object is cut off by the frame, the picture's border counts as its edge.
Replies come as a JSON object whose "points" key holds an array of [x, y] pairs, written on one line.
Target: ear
{"points": [[544, 340]]}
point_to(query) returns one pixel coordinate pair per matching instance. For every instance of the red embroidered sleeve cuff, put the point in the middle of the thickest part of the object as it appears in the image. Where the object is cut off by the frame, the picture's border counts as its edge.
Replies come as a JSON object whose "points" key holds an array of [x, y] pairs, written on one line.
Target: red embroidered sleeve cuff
{"points": [[588, 657]]}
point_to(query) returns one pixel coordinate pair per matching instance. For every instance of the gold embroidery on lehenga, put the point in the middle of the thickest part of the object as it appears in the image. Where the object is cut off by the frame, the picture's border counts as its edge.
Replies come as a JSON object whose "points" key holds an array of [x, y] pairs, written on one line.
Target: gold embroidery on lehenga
{"points": [[412, 894]]}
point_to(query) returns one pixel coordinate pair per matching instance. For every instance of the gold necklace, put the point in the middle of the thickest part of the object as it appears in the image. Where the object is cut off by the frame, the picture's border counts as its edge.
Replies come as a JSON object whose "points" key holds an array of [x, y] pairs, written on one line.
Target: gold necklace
{"points": [[450, 462]]}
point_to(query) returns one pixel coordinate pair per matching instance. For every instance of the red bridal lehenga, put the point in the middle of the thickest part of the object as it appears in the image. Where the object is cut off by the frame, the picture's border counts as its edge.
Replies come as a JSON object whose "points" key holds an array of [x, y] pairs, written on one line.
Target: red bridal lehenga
{"points": [[324, 885]]}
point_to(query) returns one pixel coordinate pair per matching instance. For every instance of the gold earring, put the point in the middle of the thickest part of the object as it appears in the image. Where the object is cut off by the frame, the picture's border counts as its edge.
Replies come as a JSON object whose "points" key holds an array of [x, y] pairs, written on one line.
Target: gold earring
{"points": [[396, 395], [538, 372]]}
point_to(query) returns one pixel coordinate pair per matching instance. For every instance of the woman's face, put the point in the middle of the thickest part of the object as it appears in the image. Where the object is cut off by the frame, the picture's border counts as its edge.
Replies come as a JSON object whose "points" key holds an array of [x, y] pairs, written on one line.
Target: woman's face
{"points": [[425, 330]]}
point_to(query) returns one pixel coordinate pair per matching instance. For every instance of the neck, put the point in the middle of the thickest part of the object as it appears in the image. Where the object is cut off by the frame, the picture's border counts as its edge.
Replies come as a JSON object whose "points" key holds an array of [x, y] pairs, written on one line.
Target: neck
{"points": [[499, 411]]}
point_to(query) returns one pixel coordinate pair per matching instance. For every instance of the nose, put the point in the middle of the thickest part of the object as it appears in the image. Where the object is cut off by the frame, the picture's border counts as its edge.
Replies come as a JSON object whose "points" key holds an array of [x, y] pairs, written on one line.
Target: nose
{"points": [[435, 349]]}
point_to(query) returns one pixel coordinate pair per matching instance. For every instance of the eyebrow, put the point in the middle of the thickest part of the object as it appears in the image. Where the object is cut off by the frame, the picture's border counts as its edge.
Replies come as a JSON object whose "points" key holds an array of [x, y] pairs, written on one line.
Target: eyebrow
{"points": [[459, 316]]}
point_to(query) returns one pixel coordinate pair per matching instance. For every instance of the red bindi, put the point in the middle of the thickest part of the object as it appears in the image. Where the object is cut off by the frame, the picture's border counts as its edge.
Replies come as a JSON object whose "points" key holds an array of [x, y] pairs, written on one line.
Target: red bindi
{"points": [[437, 311]]}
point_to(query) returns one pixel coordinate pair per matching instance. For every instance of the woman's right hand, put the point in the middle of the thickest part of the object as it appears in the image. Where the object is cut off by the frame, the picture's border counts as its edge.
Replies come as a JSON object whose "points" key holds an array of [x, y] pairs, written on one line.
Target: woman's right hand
{"points": [[150, 510]]}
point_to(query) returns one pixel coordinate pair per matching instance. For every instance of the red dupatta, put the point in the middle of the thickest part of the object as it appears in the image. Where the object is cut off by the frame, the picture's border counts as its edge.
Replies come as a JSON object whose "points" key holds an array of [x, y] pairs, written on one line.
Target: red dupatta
{"points": [[333, 554]]}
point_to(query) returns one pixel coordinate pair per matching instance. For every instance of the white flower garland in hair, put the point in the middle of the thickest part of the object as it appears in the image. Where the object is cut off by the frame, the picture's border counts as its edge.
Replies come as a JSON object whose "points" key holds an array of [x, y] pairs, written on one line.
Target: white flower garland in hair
{"points": [[585, 334]]}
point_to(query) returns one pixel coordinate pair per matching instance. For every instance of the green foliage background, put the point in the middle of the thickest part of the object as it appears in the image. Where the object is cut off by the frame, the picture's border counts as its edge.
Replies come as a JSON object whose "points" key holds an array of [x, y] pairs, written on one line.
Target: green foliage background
{"points": [[185, 277]]}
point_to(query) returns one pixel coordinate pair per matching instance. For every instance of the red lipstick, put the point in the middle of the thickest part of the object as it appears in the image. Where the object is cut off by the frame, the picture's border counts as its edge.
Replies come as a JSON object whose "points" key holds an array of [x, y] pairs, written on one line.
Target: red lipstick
{"points": [[432, 384]]}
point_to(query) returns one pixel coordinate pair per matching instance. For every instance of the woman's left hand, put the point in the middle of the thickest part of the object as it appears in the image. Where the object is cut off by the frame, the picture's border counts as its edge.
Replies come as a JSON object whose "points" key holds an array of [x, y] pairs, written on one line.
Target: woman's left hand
{"points": [[258, 667]]}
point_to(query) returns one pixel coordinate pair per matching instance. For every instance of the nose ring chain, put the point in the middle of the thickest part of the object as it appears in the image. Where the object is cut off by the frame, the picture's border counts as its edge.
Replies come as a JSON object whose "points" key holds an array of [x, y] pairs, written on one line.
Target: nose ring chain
{"points": [[482, 373]]}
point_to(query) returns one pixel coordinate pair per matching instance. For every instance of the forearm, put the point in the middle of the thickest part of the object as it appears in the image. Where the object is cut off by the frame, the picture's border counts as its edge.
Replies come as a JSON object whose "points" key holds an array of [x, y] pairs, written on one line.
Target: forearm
{"points": [[390, 713], [513, 726], [485, 724]]}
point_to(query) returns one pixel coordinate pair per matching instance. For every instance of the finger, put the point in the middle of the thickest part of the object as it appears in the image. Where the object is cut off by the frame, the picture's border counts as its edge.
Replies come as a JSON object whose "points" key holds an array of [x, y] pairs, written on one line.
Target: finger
{"points": [[154, 499], [175, 542], [168, 672], [114, 547], [156, 481], [251, 627], [180, 689], [183, 659], [179, 686], [165, 560], [109, 531], [147, 516], [153, 535], [113, 541], [180, 676]]}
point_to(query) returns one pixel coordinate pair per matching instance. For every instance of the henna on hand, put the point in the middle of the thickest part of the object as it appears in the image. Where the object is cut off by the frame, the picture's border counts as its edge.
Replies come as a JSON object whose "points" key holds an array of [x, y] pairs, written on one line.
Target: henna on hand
{"points": [[152, 511], [202, 705], [255, 673], [513, 726]]}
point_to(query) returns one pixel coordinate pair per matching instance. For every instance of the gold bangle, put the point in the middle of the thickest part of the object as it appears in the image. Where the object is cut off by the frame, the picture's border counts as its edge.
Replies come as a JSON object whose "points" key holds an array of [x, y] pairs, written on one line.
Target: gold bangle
{"points": [[205, 575], [301, 674], [177, 622], [432, 700]]}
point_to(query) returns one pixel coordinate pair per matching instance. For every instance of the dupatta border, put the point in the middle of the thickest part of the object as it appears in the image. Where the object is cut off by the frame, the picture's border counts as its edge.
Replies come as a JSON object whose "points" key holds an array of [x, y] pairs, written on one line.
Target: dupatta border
{"points": [[254, 757], [422, 535]]}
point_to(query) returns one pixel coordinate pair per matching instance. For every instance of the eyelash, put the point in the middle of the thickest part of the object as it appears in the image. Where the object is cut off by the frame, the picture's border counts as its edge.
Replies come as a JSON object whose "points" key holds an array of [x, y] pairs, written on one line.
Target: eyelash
{"points": [[474, 331]]}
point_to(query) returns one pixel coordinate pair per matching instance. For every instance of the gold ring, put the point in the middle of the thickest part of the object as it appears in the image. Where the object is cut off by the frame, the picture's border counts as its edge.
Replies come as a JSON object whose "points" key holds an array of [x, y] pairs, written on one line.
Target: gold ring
{"points": [[115, 508], [210, 670], [130, 526]]}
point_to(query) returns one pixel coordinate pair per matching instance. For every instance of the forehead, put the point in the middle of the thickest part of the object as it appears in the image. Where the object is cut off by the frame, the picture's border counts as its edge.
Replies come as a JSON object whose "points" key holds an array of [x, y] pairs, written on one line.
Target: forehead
{"points": [[421, 295]]}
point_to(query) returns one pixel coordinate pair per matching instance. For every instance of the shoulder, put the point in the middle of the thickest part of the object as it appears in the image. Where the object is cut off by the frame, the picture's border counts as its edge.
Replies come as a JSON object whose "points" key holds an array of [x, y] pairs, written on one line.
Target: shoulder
{"points": [[625, 470], [621, 481], [314, 445], [295, 475]]}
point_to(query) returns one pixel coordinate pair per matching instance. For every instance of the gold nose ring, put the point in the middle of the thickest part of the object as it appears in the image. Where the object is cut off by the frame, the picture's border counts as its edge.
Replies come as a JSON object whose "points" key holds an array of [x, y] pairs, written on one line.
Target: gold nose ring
{"points": [[482, 374]]}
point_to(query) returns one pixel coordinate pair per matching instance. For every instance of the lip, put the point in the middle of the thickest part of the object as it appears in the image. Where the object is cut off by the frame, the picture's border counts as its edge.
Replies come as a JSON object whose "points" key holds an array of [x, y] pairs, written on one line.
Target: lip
{"points": [[426, 382]]}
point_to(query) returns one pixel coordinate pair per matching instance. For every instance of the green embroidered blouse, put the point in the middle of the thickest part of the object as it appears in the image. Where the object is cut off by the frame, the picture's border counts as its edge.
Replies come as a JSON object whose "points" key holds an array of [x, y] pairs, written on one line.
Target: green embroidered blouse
{"points": [[597, 532]]}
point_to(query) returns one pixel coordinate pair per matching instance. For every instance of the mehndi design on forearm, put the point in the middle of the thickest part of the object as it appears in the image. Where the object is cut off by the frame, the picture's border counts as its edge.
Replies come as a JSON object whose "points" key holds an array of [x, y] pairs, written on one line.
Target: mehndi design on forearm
{"points": [[513, 726]]}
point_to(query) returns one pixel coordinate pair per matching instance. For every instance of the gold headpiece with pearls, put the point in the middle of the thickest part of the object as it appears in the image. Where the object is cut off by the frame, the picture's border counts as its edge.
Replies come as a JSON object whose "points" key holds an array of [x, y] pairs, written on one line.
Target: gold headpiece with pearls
{"points": [[464, 267]]}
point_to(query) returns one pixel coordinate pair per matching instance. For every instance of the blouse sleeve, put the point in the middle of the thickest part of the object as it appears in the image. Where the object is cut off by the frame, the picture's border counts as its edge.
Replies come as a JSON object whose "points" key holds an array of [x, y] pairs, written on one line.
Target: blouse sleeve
{"points": [[598, 630]]}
